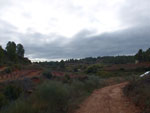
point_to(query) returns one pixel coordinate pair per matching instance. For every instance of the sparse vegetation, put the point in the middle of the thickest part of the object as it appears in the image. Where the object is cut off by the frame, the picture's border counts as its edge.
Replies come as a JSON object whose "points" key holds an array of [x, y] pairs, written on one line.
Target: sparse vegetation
{"points": [[138, 91], [55, 96], [12, 92]]}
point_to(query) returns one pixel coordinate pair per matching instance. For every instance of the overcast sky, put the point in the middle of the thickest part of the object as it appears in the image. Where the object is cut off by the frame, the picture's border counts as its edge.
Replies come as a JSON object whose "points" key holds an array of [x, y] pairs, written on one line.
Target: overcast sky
{"points": [[62, 29]]}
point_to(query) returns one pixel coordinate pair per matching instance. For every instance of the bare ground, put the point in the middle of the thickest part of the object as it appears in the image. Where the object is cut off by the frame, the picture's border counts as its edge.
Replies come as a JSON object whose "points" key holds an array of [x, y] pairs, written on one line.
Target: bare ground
{"points": [[20, 75], [108, 100]]}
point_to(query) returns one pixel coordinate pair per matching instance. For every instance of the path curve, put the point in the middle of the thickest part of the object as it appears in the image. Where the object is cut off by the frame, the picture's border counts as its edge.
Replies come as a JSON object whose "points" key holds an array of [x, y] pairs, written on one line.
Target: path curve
{"points": [[108, 100]]}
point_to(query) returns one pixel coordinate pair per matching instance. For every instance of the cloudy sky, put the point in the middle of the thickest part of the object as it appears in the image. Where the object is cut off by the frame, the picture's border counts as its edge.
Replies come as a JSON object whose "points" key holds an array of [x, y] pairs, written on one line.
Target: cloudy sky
{"points": [[62, 29]]}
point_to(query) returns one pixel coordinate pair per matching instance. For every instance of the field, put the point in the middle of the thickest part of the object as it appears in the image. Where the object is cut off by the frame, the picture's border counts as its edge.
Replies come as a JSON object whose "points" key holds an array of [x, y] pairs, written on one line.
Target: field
{"points": [[75, 82]]}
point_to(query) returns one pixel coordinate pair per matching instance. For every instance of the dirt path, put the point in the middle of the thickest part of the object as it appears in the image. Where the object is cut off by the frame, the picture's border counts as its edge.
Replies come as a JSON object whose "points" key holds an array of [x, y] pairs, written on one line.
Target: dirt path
{"points": [[108, 100]]}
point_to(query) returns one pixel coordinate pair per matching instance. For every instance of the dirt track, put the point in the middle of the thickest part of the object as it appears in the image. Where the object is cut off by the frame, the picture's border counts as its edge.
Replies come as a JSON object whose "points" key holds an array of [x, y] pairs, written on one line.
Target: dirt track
{"points": [[108, 100]]}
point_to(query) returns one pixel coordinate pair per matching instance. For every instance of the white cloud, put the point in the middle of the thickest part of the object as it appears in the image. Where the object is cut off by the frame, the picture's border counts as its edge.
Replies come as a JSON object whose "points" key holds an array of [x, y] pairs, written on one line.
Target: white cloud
{"points": [[63, 17]]}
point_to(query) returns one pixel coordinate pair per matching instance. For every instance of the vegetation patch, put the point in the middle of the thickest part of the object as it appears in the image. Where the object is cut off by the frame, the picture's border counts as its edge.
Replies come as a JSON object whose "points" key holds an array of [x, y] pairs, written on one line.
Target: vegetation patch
{"points": [[55, 96], [138, 91]]}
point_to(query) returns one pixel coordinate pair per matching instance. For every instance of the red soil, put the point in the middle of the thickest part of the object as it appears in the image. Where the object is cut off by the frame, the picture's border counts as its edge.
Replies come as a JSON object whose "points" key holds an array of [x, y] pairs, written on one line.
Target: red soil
{"points": [[20, 75]]}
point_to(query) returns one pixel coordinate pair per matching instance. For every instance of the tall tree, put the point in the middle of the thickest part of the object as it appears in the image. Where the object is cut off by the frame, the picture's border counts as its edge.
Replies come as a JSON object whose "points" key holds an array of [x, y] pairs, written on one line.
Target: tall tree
{"points": [[20, 50], [11, 50], [1, 54], [62, 64], [147, 54], [139, 55]]}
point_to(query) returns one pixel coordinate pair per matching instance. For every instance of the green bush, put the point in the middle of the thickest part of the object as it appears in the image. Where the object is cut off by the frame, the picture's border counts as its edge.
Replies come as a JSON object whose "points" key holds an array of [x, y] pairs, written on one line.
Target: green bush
{"points": [[92, 83], [66, 79], [8, 70], [78, 89], [20, 106], [52, 96], [92, 69], [47, 74], [12, 92], [105, 74], [18, 66], [3, 100]]}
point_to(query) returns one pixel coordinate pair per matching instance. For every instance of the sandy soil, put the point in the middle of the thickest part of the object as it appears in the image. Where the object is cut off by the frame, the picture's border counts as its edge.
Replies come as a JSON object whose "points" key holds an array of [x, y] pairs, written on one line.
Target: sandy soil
{"points": [[108, 100]]}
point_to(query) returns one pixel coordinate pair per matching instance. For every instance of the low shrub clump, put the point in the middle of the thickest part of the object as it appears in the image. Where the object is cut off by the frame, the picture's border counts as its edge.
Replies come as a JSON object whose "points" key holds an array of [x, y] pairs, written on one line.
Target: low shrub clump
{"points": [[9, 93], [138, 91], [3, 100], [52, 96], [47, 74], [12, 92]]}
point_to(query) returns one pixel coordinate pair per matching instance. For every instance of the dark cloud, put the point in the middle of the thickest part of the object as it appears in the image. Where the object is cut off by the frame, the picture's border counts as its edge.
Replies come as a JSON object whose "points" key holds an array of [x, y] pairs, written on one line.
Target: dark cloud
{"points": [[117, 43]]}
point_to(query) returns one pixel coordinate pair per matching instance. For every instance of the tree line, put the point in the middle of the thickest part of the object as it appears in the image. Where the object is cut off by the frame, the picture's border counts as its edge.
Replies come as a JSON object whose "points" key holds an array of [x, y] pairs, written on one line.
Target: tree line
{"points": [[141, 56]]}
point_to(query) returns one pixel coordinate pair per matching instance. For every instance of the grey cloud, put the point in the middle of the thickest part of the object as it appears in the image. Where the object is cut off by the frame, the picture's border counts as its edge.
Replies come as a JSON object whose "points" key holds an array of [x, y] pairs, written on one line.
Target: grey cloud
{"points": [[117, 43], [7, 32], [85, 44]]}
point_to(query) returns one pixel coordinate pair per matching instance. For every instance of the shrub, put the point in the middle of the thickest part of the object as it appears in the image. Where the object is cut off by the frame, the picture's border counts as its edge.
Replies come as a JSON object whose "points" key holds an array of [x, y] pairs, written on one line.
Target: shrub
{"points": [[52, 96], [122, 69], [83, 88], [77, 94], [78, 89], [8, 70], [17, 66], [20, 106], [66, 78], [138, 91], [105, 74], [3, 100], [12, 92], [75, 69], [47, 74], [92, 69], [92, 83]]}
